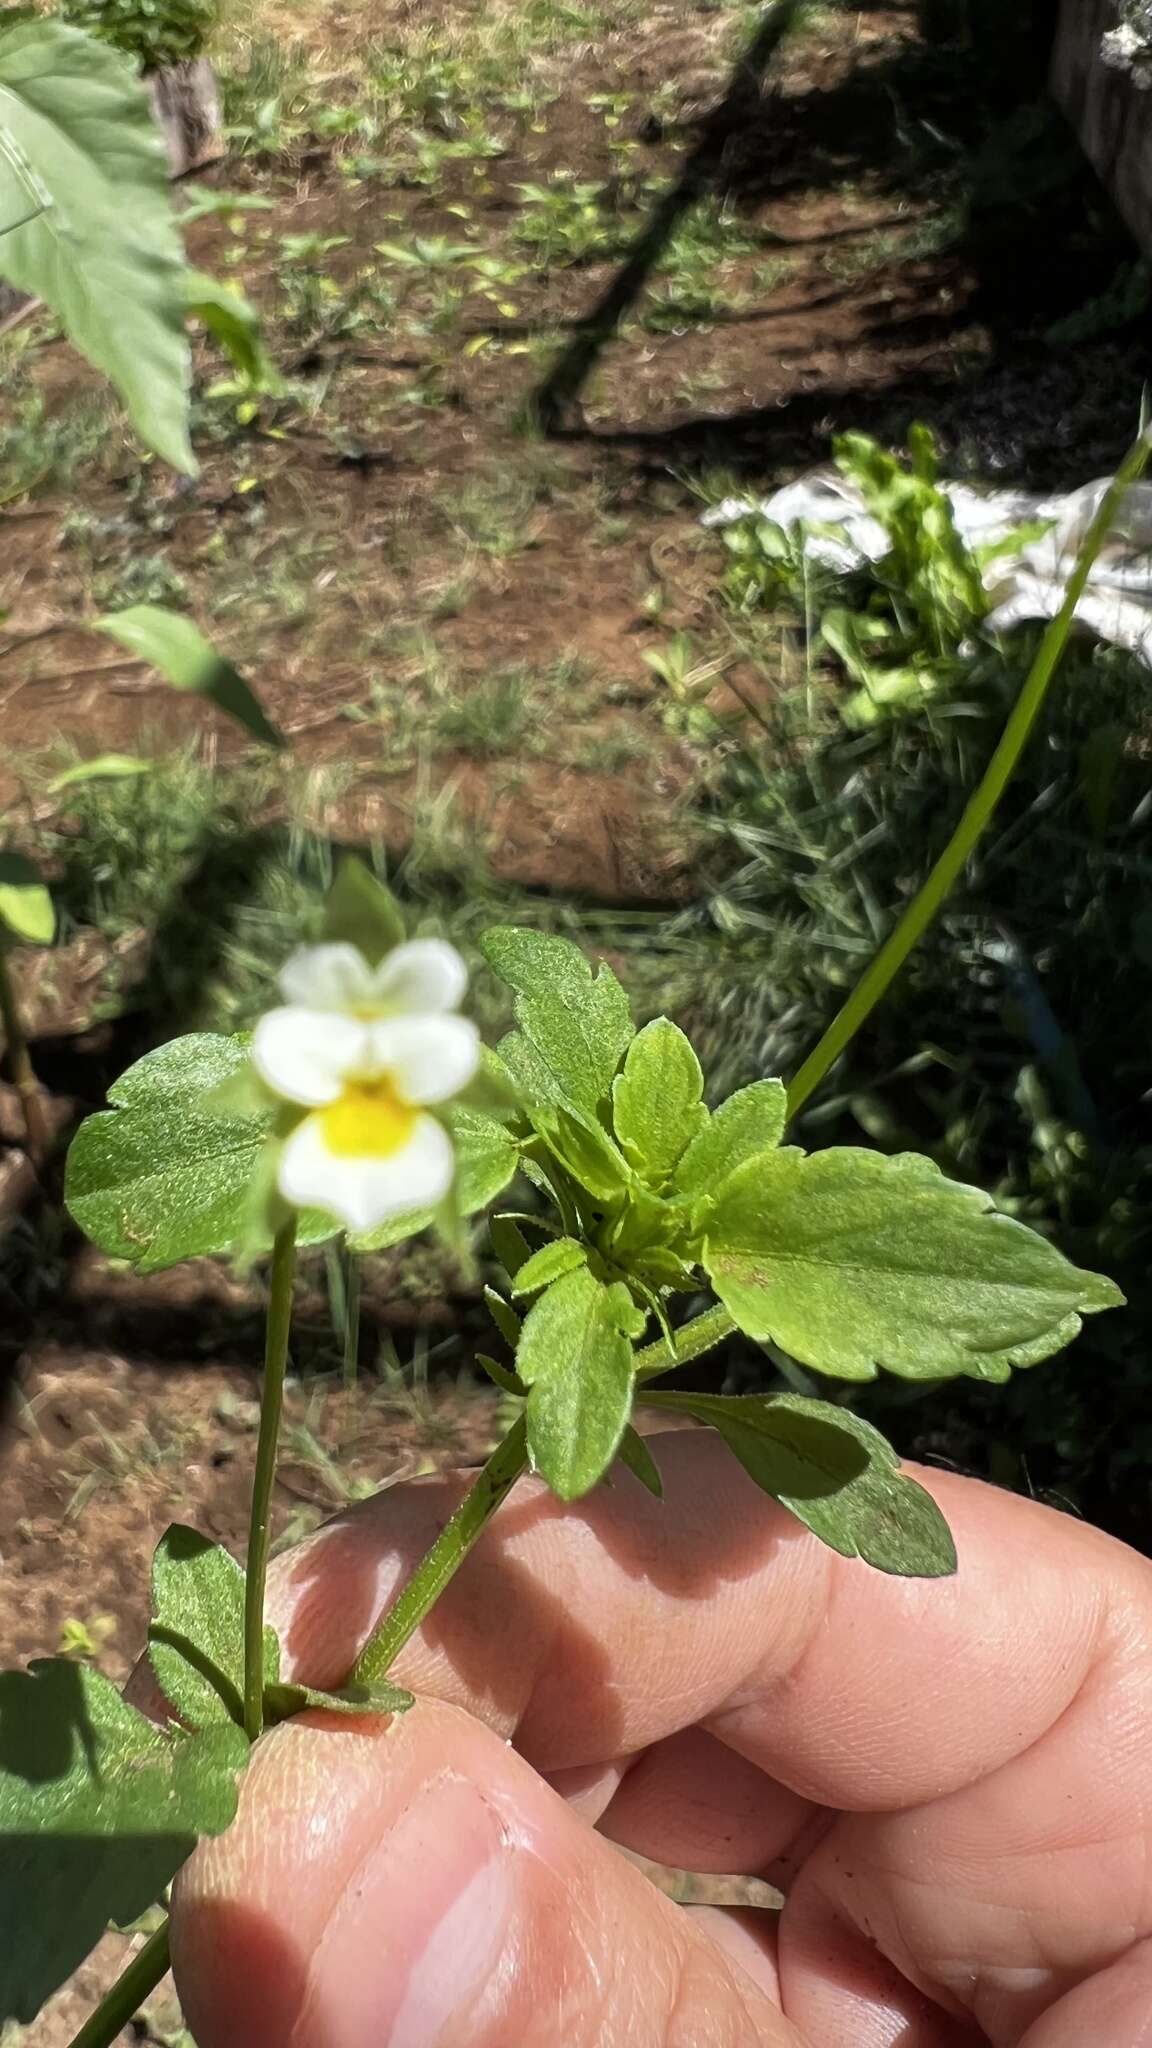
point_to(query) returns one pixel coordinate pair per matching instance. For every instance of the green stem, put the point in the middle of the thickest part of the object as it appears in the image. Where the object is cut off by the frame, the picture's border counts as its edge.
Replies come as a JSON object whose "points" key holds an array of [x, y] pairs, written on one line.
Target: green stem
{"points": [[122, 2002], [691, 1341], [36, 1132], [421, 1592], [911, 927], [351, 1315], [260, 1519]]}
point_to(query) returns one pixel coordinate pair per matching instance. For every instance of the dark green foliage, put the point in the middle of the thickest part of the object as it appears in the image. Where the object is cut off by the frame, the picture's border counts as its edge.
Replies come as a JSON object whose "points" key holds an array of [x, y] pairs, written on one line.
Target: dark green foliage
{"points": [[156, 33]]}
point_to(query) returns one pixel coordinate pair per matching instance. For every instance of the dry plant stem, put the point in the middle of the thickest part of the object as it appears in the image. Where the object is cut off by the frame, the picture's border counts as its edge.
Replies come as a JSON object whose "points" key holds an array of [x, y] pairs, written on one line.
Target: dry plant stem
{"points": [[982, 805], [264, 1478], [135, 1983], [20, 1061]]}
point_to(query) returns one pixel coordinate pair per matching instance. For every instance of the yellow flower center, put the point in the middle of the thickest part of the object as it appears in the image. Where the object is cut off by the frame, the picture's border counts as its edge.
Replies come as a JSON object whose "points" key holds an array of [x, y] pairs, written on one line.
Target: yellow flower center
{"points": [[368, 1121]]}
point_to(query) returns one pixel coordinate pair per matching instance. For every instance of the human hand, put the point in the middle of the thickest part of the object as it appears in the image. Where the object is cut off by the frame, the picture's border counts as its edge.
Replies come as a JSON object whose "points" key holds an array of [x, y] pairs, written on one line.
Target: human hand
{"points": [[951, 1780]]}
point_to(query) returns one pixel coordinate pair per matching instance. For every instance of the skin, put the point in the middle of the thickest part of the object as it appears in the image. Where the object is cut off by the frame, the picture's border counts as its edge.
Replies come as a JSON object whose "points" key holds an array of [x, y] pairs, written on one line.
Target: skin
{"points": [[951, 1781]]}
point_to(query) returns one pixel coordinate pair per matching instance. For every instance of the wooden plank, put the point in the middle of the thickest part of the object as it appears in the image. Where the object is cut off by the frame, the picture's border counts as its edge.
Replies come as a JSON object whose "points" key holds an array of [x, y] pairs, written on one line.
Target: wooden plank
{"points": [[1112, 117]]}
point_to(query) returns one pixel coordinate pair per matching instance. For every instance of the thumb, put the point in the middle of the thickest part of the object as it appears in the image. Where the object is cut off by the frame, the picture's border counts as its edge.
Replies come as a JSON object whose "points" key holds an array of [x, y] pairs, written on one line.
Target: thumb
{"points": [[414, 1884]]}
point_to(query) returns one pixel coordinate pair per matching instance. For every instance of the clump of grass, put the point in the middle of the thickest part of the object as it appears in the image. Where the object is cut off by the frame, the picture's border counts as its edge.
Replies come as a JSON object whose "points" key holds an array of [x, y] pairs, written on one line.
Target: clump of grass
{"points": [[43, 445]]}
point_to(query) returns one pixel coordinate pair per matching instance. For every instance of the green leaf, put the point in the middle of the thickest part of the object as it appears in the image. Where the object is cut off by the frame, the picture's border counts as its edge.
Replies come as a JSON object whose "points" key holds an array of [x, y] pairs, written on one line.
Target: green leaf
{"points": [[583, 1146], [487, 1158], [851, 1261], [282, 1701], [177, 647], [656, 1100], [562, 1255], [835, 1473], [196, 1635], [234, 323], [360, 911], [165, 1174], [26, 908], [749, 1123], [86, 221], [500, 1375], [635, 1454], [579, 1024], [509, 1244], [576, 1359], [504, 1316], [99, 1807], [100, 768]]}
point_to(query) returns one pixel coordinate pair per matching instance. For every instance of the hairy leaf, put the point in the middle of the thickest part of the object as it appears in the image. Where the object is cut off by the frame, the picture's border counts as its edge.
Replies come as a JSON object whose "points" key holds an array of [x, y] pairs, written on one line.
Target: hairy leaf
{"points": [[579, 1023], [657, 1105], [575, 1358], [634, 1453], [98, 1809], [851, 1262], [86, 222], [749, 1123], [165, 1175], [562, 1255], [361, 911], [282, 1701], [196, 1635], [835, 1473]]}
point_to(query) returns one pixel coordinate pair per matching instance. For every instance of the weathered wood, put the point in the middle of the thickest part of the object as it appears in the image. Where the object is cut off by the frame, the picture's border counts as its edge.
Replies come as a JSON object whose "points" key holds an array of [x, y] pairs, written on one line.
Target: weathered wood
{"points": [[1111, 115]]}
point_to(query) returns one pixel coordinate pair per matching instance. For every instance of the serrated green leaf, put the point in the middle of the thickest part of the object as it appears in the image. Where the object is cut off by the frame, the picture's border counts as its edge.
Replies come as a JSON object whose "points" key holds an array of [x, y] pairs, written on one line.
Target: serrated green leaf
{"points": [[86, 221], [835, 1473], [361, 911], [100, 768], [165, 1175], [509, 1244], [634, 1453], [176, 646], [749, 1123], [504, 1316], [852, 1262], [576, 1361], [562, 1255], [657, 1106], [487, 1158], [500, 1375], [99, 1807], [283, 1700], [196, 1635], [27, 912], [579, 1024]]}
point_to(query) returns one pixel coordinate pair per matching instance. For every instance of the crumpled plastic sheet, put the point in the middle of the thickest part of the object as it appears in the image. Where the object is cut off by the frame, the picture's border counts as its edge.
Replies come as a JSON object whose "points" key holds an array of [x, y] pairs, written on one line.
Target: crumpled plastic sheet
{"points": [[1024, 583]]}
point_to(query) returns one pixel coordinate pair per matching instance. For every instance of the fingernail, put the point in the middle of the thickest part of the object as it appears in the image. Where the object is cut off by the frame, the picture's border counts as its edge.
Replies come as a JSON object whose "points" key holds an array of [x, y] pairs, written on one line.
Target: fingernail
{"points": [[420, 1928]]}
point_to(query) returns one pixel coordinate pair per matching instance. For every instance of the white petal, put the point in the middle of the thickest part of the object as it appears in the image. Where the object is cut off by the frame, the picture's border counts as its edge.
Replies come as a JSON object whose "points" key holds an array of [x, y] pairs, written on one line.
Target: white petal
{"points": [[428, 1058], [335, 977], [421, 975], [363, 1191], [305, 1054]]}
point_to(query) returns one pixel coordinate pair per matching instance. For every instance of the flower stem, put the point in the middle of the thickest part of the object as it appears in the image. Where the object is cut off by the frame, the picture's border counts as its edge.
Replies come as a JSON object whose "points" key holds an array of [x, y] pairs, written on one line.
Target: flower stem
{"points": [[351, 1315], [439, 1564], [36, 1134], [123, 2000], [259, 1524], [911, 927]]}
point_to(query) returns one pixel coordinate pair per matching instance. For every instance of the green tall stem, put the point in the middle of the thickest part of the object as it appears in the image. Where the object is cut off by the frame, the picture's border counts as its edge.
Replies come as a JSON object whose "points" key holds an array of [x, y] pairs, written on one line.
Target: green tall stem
{"points": [[351, 1316], [911, 927], [439, 1564], [135, 1983], [264, 1478], [36, 1132]]}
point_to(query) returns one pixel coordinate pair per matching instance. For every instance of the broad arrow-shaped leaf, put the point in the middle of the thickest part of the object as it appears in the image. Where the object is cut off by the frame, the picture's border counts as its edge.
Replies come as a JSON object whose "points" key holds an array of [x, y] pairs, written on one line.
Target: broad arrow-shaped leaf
{"points": [[86, 222], [99, 1807], [851, 1261]]}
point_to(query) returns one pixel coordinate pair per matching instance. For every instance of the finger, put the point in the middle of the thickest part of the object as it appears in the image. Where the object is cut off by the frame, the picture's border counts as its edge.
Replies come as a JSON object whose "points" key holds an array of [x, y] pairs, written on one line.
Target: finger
{"points": [[1113, 2007], [693, 1802], [416, 1885], [595, 1631]]}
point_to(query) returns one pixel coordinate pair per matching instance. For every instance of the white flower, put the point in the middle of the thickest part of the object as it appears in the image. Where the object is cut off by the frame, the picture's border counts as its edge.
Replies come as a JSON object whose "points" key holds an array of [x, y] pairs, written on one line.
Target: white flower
{"points": [[365, 1050]]}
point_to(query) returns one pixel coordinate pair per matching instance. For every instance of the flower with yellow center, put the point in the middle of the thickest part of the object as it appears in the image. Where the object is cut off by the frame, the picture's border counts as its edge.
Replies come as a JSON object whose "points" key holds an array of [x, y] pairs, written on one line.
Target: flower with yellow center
{"points": [[365, 1050]]}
